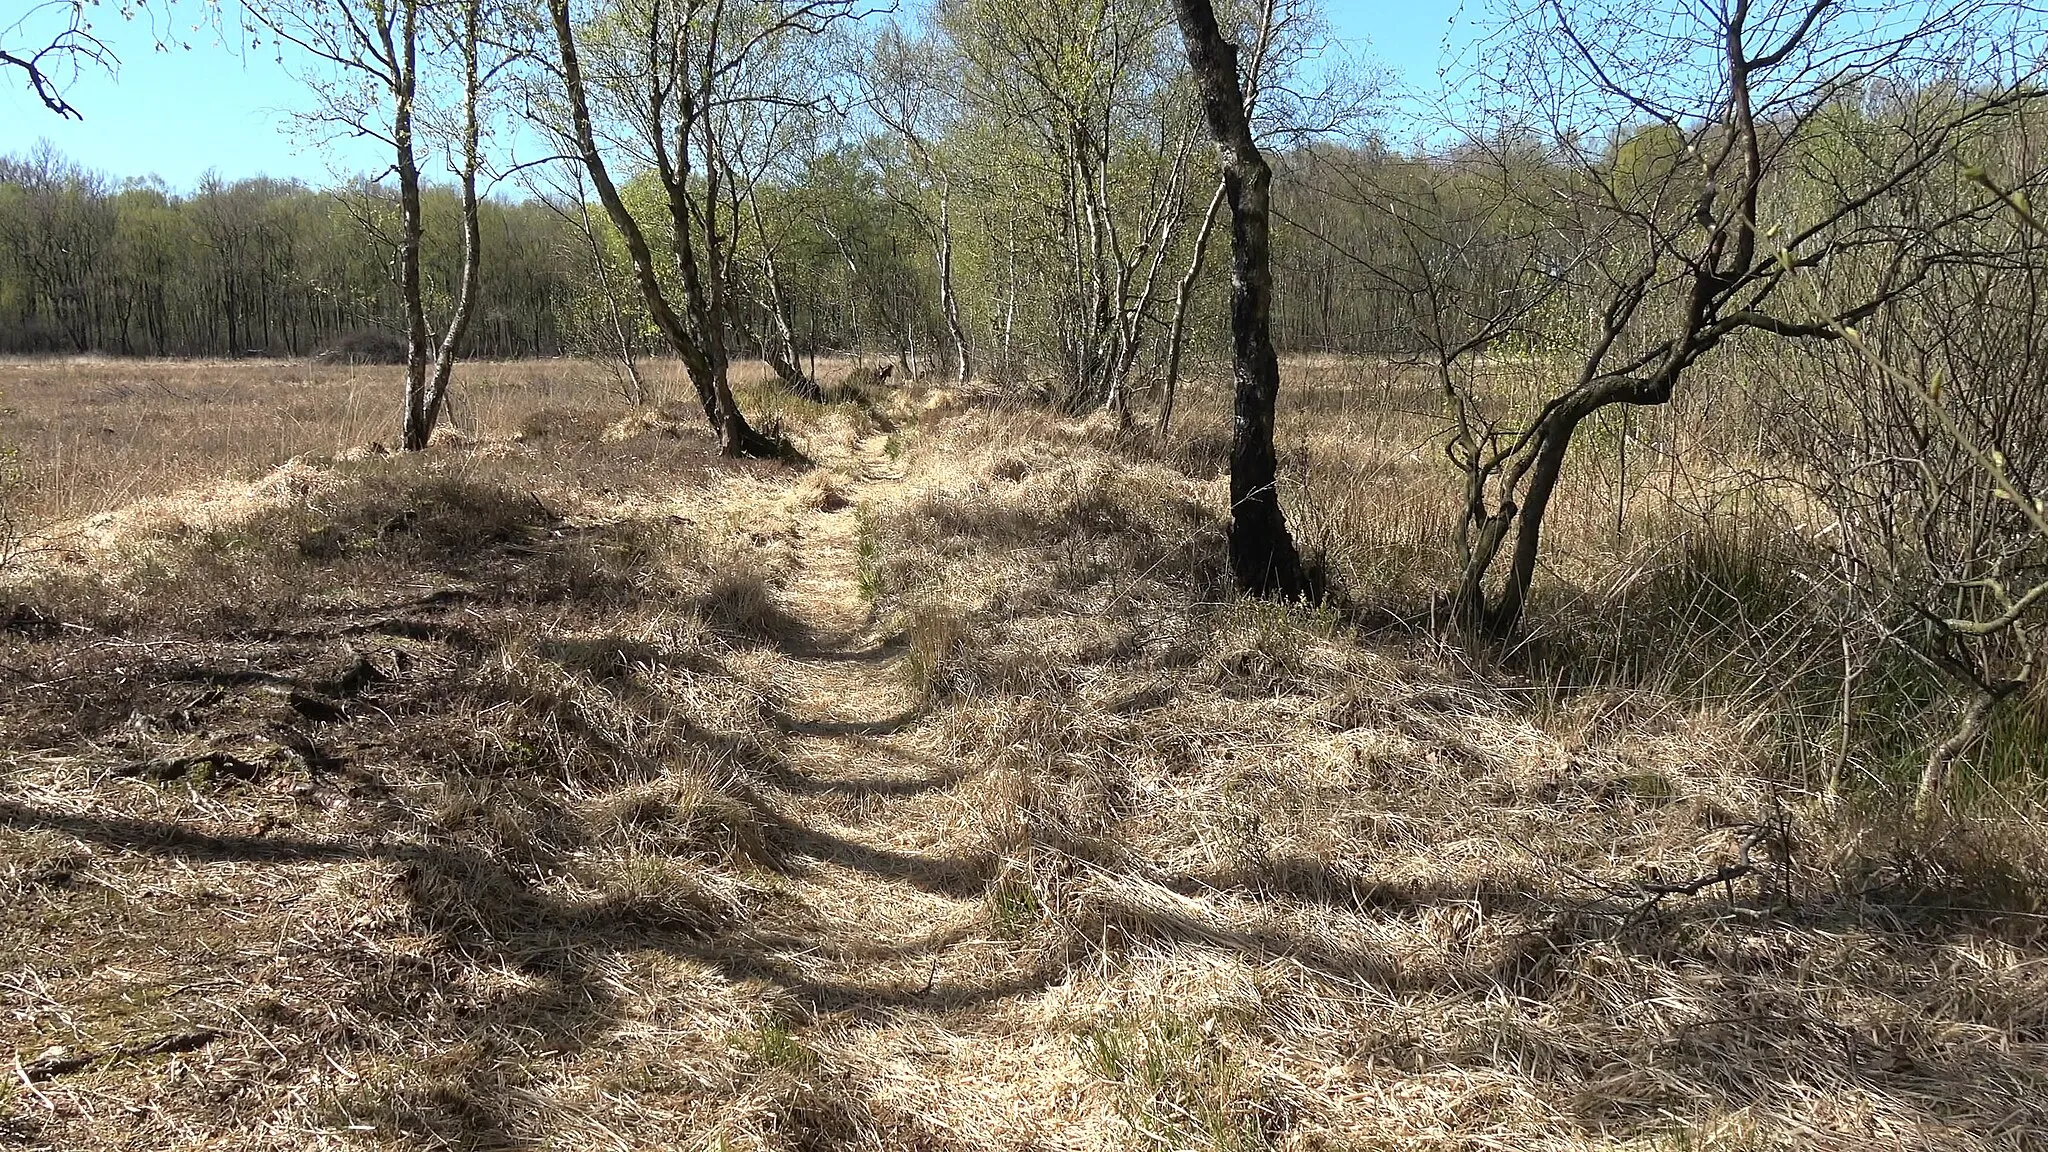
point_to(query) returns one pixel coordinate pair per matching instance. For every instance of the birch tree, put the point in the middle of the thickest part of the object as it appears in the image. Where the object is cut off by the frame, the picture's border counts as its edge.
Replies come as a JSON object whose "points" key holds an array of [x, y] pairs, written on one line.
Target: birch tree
{"points": [[1096, 128], [1263, 558], [667, 82], [377, 68], [907, 88]]}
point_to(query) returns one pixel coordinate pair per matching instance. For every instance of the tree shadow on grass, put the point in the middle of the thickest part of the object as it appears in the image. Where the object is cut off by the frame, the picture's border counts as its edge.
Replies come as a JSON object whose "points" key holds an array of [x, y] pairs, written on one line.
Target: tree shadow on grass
{"points": [[1722, 1003], [929, 774], [490, 915], [1967, 1061], [810, 648], [883, 726], [1943, 1064]]}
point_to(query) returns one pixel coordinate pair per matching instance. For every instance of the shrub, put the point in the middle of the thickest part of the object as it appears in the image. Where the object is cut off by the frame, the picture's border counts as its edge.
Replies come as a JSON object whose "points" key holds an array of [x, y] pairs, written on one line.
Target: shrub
{"points": [[364, 346]]}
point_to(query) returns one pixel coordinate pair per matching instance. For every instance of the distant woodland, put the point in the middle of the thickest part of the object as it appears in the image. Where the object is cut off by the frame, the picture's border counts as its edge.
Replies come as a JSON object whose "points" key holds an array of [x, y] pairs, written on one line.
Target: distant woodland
{"points": [[125, 265], [257, 267]]}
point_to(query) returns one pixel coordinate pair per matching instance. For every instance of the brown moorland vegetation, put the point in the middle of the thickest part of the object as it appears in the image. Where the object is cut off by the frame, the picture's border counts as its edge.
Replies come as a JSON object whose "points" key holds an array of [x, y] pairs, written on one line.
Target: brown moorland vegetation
{"points": [[568, 786]]}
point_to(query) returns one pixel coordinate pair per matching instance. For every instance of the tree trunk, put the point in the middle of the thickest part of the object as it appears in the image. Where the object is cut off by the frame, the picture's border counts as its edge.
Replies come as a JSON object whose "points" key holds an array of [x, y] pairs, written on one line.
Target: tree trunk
{"points": [[1263, 559], [419, 426], [707, 289], [962, 358], [465, 293], [782, 355], [1470, 612], [1556, 441], [1468, 606], [1177, 335], [1976, 715], [1010, 299], [735, 438]]}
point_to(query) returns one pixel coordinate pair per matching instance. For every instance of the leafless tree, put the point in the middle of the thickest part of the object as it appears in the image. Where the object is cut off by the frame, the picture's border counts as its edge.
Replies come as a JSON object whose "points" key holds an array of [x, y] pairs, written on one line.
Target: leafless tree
{"points": [[374, 69], [1930, 452], [1736, 94], [48, 45], [1469, 267]]}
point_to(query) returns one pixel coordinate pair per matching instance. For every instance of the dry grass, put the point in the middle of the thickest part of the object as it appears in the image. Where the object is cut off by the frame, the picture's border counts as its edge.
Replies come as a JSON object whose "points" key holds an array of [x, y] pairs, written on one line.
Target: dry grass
{"points": [[585, 791], [1366, 900], [99, 433], [1689, 570]]}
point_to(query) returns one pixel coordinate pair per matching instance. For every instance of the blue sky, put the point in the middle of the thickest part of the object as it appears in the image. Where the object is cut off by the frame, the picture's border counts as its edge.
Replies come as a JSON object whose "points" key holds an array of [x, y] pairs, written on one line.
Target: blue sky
{"points": [[226, 107]]}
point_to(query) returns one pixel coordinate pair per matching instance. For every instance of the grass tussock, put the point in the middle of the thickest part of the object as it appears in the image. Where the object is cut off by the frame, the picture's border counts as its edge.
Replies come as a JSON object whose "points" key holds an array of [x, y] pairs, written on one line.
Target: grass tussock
{"points": [[414, 759]]}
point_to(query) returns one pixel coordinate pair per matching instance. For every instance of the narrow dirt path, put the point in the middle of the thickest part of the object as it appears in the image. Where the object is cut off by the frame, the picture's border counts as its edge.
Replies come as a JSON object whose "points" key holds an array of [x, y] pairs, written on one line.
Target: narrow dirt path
{"points": [[860, 805]]}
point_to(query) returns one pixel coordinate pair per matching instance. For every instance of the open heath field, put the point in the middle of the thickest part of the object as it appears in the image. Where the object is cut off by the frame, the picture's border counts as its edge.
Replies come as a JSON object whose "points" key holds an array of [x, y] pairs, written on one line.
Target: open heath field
{"points": [[567, 785]]}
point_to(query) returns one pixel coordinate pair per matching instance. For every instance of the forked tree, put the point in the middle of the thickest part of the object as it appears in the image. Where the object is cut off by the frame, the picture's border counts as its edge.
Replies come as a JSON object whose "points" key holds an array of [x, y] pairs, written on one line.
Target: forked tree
{"points": [[1711, 249], [671, 80], [48, 45], [906, 86], [1455, 265], [377, 63]]}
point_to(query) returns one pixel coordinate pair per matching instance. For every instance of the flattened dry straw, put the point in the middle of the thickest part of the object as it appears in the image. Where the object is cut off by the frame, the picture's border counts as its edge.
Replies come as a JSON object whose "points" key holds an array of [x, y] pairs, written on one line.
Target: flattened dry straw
{"points": [[937, 799]]}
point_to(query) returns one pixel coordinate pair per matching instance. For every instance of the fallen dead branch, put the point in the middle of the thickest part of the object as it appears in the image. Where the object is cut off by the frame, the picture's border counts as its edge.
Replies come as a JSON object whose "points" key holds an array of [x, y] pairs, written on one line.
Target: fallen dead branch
{"points": [[61, 1061]]}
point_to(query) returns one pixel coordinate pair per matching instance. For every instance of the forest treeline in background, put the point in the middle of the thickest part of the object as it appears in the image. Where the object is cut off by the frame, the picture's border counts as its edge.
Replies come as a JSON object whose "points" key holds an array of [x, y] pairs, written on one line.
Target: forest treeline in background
{"points": [[124, 265], [1037, 574], [253, 267], [1771, 270]]}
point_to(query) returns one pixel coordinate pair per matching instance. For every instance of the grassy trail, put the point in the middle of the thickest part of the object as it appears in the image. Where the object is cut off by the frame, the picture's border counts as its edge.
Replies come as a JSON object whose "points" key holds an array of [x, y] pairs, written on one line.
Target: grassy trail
{"points": [[855, 806], [585, 790]]}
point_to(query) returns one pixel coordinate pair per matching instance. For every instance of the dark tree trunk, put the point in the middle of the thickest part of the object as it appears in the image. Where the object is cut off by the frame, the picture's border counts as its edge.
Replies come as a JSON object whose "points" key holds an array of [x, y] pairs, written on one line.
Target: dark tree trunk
{"points": [[1263, 559], [1470, 612], [418, 425]]}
